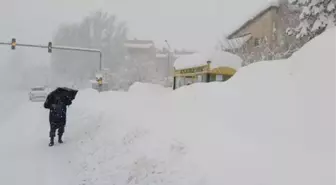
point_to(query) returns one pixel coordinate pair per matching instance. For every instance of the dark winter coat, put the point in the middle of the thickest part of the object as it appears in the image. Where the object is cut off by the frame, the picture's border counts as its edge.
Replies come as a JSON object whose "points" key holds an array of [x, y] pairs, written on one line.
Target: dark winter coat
{"points": [[58, 108]]}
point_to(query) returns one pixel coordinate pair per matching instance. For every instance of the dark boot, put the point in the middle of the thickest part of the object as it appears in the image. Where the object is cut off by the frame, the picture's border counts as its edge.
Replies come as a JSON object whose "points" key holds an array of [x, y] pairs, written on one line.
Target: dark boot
{"points": [[60, 139], [60, 132], [52, 133], [51, 141]]}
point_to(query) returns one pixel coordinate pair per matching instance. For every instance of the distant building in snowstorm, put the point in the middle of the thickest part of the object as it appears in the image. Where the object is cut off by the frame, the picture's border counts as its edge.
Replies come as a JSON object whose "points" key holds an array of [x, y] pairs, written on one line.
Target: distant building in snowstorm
{"points": [[141, 50], [166, 59]]}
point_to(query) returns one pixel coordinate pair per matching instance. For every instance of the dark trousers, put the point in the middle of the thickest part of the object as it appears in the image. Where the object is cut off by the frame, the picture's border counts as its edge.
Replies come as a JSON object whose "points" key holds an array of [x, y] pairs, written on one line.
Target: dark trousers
{"points": [[54, 127]]}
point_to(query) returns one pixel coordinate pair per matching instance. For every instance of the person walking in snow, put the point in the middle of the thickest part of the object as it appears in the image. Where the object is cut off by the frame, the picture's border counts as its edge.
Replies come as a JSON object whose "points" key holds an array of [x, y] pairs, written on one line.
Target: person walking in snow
{"points": [[57, 115]]}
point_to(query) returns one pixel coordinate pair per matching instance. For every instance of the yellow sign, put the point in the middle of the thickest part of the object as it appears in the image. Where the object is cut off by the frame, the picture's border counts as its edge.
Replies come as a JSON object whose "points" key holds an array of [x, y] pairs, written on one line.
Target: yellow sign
{"points": [[194, 70], [100, 81], [223, 71]]}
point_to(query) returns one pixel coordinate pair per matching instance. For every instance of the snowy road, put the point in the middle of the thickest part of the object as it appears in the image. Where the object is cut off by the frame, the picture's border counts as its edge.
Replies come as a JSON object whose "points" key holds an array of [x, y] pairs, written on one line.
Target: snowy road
{"points": [[10, 101], [25, 156]]}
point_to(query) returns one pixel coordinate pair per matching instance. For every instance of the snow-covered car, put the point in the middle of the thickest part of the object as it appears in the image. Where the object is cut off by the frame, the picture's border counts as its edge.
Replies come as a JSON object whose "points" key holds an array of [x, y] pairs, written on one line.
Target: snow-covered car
{"points": [[38, 94]]}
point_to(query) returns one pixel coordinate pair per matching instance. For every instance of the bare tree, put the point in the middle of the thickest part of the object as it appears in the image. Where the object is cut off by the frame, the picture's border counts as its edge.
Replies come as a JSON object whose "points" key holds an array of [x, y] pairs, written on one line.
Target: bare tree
{"points": [[98, 30]]}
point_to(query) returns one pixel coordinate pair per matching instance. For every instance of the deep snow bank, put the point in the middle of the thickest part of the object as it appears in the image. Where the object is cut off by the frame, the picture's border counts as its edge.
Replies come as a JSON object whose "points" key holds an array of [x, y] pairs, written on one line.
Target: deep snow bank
{"points": [[266, 125], [148, 89], [313, 71], [126, 142], [272, 123]]}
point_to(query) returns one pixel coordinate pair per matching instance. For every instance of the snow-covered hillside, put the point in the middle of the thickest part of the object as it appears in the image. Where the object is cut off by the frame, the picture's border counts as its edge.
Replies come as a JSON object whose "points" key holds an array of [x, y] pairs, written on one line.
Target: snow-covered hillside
{"points": [[272, 123]]}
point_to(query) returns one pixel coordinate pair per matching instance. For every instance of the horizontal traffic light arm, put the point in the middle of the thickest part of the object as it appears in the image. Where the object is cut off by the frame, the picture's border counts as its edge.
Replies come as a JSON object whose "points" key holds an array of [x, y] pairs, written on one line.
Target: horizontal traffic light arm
{"points": [[54, 47], [61, 48], [76, 49]]}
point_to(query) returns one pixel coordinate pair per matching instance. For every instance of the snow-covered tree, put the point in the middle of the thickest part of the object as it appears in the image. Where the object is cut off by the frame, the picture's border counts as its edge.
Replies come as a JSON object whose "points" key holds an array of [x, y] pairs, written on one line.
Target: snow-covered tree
{"points": [[315, 17]]}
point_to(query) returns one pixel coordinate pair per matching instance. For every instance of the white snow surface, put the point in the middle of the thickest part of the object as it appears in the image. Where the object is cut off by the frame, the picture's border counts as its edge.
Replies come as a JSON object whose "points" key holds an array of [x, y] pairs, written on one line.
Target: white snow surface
{"points": [[217, 58], [272, 123], [148, 89]]}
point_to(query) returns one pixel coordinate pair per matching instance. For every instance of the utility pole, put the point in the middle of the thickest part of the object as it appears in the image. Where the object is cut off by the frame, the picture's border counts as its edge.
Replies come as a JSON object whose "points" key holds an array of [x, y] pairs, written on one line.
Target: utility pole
{"points": [[168, 62]]}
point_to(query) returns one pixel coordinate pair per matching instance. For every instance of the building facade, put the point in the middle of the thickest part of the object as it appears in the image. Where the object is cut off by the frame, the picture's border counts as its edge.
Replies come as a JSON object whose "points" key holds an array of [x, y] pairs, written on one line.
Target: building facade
{"points": [[264, 36], [165, 60], [141, 50]]}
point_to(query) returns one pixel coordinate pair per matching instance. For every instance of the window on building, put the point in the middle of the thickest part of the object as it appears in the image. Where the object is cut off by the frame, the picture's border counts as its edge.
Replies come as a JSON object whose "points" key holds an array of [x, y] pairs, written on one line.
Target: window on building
{"points": [[199, 78], [256, 42], [226, 77], [219, 78], [204, 78], [178, 82], [212, 77], [188, 80]]}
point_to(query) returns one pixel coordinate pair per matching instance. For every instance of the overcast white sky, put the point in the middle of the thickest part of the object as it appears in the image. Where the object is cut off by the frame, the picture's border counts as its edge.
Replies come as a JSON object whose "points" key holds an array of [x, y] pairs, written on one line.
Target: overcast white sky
{"points": [[195, 24], [190, 24]]}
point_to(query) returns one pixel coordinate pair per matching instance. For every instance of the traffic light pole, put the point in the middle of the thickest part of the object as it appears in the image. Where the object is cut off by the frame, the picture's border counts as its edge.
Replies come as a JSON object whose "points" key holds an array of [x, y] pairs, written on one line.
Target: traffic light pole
{"points": [[61, 48], [82, 49]]}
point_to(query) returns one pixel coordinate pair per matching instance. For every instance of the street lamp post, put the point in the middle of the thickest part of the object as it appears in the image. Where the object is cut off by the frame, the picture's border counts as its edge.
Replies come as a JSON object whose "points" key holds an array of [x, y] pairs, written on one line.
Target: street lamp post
{"points": [[168, 62]]}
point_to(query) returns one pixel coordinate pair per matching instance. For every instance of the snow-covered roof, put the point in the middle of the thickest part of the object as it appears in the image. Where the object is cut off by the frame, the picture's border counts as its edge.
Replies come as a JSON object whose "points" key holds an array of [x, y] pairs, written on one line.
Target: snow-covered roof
{"points": [[236, 43], [161, 55], [178, 55], [133, 45], [99, 75], [165, 55], [184, 51], [139, 44], [259, 12], [217, 58]]}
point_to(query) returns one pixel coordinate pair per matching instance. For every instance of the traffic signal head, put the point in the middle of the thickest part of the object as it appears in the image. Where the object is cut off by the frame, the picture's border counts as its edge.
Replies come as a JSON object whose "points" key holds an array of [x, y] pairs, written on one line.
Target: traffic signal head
{"points": [[13, 43], [49, 47]]}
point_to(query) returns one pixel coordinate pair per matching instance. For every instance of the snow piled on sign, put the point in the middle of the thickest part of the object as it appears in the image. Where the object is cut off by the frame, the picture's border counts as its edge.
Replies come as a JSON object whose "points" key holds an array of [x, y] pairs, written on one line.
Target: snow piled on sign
{"points": [[217, 58]]}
